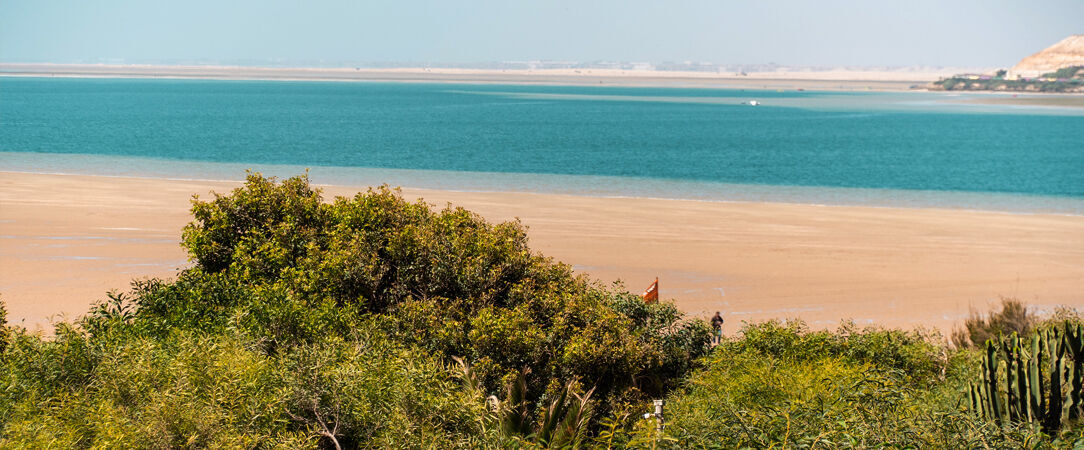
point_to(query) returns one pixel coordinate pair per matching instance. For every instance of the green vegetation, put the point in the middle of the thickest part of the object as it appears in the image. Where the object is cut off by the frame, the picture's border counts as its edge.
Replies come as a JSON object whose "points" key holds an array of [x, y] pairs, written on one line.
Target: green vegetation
{"points": [[306, 323], [1066, 79], [781, 385], [1071, 72], [1038, 381], [374, 322], [3, 326]]}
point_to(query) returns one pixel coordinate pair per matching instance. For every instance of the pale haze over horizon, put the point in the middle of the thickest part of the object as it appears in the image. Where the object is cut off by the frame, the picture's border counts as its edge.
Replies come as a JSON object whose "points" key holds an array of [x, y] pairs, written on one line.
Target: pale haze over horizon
{"points": [[799, 33]]}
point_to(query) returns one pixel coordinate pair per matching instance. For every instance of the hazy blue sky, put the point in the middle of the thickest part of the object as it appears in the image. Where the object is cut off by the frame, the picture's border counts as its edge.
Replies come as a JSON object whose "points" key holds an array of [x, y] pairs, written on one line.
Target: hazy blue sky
{"points": [[821, 32]]}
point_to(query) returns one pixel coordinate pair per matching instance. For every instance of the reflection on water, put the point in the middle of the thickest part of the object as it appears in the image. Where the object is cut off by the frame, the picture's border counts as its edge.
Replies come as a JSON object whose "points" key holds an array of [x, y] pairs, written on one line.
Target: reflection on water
{"points": [[918, 101]]}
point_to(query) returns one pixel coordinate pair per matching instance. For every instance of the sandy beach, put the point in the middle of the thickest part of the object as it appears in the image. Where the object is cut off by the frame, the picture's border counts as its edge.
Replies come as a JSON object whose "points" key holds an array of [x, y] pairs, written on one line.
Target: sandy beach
{"points": [[67, 239]]}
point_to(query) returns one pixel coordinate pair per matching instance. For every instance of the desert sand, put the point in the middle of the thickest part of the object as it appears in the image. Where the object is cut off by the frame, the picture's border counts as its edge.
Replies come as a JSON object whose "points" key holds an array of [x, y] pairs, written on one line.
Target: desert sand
{"points": [[1066, 53], [67, 239]]}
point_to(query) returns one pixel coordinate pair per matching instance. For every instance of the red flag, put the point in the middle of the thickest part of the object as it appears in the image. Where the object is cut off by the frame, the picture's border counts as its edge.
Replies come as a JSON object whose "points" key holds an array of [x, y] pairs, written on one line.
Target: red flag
{"points": [[651, 295]]}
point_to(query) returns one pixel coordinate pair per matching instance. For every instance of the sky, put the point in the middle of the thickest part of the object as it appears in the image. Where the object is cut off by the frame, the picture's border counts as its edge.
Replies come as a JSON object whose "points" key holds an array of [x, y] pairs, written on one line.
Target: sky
{"points": [[954, 33]]}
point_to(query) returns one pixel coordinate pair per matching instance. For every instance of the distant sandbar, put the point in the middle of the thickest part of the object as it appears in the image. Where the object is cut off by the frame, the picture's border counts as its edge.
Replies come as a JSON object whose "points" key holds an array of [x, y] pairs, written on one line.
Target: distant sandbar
{"points": [[782, 79]]}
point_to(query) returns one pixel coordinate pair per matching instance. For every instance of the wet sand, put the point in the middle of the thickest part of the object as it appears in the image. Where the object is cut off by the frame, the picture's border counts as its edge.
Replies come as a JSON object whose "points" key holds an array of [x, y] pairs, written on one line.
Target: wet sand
{"points": [[67, 239], [1058, 100]]}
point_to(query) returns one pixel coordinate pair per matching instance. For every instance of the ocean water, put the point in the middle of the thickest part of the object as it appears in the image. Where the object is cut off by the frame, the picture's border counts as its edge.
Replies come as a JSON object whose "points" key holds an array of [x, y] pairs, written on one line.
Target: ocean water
{"points": [[887, 149]]}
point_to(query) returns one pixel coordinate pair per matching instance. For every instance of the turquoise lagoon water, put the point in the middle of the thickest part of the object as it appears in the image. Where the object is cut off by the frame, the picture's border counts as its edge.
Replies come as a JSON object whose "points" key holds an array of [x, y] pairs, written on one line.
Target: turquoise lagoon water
{"points": [[886, 149]]}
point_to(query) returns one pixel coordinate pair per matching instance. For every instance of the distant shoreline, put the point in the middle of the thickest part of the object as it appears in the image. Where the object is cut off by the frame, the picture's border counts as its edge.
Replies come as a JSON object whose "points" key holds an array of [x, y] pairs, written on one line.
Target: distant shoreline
{"points": [[836, 80], [826, 81]]}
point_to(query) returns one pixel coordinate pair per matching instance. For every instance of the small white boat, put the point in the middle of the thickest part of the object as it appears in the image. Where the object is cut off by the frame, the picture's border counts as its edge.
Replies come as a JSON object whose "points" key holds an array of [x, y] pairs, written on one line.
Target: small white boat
{"points": [[752, 103]]}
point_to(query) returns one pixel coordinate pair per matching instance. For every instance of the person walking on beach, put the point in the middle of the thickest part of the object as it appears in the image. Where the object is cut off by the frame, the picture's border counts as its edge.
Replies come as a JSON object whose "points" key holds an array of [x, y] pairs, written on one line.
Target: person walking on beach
{"points": [[717, 326]]}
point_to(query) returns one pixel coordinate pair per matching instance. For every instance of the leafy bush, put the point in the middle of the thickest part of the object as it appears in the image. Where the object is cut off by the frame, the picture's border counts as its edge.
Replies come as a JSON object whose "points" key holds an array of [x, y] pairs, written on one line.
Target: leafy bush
{"points": [[915, 355], [446, 281], [211, 391], [308, 323], [375, 322], [1066, 72], [781, 385]]}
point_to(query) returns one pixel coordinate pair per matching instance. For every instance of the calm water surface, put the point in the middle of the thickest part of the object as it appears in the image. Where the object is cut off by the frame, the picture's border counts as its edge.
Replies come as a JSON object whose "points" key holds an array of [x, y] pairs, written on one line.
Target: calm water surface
{"points": [[911, 149]]}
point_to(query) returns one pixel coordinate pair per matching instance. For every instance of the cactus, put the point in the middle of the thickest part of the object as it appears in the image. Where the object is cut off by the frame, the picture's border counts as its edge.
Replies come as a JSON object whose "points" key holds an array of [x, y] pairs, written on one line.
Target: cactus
{"points": [[1057, 355], [993, 395], [976, 397], [1075, 341], [1020, 368], [1036, 401], [1041, 383], [1009, 364]]}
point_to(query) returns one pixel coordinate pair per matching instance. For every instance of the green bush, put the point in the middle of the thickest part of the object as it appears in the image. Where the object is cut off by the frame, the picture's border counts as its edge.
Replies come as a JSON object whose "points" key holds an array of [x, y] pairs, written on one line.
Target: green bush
{"points": [[1065, 72], [915, 355], [781, 385], [446, 281], [194, 390], [375, 322], [305, 323]]}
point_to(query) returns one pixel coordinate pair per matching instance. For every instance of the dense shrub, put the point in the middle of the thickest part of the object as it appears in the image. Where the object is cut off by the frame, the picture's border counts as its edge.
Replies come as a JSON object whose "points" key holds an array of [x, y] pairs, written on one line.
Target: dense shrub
{"points": [[781, 385], [276, 262], [212, 391], [1067, 72], [375, 322], [282, 283]]}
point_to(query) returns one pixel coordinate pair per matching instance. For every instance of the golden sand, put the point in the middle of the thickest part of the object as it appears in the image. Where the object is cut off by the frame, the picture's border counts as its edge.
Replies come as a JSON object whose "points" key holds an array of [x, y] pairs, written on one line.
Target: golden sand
{"points": [[65, 240]]}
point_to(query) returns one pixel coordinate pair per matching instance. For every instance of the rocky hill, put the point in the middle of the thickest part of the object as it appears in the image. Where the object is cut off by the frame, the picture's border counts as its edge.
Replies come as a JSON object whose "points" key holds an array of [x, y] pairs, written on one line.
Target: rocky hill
{"points": [[1058, 68], [1068, 52]]}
